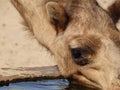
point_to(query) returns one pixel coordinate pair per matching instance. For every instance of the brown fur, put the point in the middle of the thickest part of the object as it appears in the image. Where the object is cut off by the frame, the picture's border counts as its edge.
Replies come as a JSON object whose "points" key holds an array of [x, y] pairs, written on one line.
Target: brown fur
{"points": [[87, 42], [57, 16], [115, 36], [89, 29], [115, 11]]}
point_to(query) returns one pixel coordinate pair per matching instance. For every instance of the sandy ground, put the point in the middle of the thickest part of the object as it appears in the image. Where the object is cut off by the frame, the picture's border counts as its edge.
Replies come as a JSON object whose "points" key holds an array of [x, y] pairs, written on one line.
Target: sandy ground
{"points": [[18, 48]]}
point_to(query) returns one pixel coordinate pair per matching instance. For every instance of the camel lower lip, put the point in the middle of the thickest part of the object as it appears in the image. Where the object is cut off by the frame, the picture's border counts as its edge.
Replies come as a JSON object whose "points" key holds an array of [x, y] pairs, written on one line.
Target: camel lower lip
{"points": [[84, 81]]}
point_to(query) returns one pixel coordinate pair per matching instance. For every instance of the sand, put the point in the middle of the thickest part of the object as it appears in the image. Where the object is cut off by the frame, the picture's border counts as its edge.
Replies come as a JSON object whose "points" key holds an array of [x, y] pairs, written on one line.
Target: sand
{"points": [[21, 56], [18, 47]]}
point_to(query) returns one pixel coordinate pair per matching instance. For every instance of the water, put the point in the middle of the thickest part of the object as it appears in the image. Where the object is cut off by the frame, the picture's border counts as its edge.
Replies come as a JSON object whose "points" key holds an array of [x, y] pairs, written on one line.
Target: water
{"points": [[59, 84]]}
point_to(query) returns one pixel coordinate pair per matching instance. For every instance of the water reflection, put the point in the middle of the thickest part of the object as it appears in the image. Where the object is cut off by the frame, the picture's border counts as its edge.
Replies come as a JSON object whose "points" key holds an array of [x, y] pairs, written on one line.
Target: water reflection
{"points": [[59, 84]]}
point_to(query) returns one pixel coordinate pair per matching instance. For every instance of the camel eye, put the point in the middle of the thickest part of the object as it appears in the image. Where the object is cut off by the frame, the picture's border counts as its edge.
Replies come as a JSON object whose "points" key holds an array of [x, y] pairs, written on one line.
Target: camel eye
{"points": [[79, 53], [76, 53], [79, 56]]}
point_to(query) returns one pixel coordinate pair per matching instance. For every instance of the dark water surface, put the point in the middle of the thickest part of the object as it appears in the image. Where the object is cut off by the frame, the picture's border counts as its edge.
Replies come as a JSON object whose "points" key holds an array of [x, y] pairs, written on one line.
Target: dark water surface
{"points": [[59, 84]]}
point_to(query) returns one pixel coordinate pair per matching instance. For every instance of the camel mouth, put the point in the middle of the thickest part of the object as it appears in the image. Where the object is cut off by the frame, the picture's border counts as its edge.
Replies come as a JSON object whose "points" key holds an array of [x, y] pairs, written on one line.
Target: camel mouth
{"points": [[82, 80]]}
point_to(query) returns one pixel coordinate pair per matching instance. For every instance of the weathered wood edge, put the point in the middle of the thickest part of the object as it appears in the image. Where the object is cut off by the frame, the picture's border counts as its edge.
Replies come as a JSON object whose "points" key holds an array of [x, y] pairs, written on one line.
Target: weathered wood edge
{"points": [[25, 74]]}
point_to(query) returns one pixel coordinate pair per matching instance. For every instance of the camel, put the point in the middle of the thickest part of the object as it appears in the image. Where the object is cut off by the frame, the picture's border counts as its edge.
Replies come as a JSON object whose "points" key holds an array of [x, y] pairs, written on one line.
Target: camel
{"points": [[80, 35]]}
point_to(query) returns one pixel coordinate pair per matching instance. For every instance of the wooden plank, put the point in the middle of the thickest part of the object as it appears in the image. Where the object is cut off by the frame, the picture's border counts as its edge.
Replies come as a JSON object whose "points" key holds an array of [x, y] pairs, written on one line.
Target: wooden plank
{"points": [[12, 75]]}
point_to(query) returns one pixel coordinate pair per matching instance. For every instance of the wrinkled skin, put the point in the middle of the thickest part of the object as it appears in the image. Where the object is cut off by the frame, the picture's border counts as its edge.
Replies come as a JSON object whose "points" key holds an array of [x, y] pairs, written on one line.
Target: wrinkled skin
{"points": [[81, 36]]}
